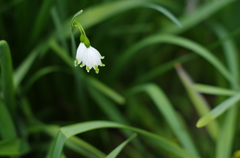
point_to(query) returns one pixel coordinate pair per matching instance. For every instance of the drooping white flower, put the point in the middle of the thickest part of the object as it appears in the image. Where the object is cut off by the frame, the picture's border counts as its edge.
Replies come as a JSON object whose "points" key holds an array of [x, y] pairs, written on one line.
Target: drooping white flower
{"points": [[89, 57]]}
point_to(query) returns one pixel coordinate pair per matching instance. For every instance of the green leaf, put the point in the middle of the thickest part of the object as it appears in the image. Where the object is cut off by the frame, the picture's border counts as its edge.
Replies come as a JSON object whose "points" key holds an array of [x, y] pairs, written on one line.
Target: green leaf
{"points": [[42, 72], [161, 69], [230, 50], [180, 41], [228, 127], [117, 150], [165, 12], [165, 107], [25, 66], [201, 105], [106, 90], [207, 89], [7, 128], [227, 131], [68, 131], [14, 147], [200, 14], [7, 77], [218, 110], [76, 144]]}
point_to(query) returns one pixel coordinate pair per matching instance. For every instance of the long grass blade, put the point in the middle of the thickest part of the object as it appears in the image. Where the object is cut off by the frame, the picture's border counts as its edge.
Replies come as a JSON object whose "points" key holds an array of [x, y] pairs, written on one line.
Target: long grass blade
{"points": [[42, 72], [225, 139], [76, 144], [68, 131], [218, 110], [230, 51], [180, 41], [207, 89], [153, 73], [190, 20], [198, 100], [117, 150], [7, 128], [25, 66], [13, 147], [165, 107], [7, 77], [226, 134]]}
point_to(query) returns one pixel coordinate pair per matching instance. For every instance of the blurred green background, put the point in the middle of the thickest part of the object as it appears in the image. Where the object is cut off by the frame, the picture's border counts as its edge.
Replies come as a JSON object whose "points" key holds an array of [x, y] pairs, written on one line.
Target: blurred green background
{"points": [[139, 86]]}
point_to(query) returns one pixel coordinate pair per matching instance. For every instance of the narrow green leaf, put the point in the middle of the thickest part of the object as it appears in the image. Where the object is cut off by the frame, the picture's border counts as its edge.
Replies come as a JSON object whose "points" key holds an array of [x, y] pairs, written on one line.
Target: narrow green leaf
{"points": [[226, 134], [155, 72], [180, 41], [207, 89], [68, 131], [7, 77], [106, 90], [110, 109], [58, 145], [230, 50], [41, 20], [117, 150], [25, 66], [76, 144], [13, 147], [228, 127], [165, 107], [7, 128], [218, 110], [200, 14], [165, 12], [198, 100], [58, 25], [61, 52], [42, 72]]}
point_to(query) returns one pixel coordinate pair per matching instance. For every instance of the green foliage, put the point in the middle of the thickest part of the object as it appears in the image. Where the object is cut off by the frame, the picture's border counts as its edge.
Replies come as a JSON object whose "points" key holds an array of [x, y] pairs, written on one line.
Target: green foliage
{"points": [[49, 108]]}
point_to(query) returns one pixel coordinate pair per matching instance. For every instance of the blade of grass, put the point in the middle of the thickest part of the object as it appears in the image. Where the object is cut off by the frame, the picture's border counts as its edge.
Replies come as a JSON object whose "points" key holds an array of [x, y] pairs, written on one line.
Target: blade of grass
{"points": [[7, 77], [7, 128], [207, 89], [107, 10], [230, 50], [225, 139], [25, 66], [106, 90], [68, 131], [180, 41], [200, 14], [226, 134], [199, 102], [117, 150], [113, 113], [41, 19], [165, 12], [165, 107], [218, 110], [14, 147], [76, 144], [42, 72], [153, 73], [58, 25]]}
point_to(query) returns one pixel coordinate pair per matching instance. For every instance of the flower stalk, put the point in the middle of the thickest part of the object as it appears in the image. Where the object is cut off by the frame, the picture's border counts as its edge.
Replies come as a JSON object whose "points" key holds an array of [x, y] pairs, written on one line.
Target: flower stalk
{"points": [[86, 54]]}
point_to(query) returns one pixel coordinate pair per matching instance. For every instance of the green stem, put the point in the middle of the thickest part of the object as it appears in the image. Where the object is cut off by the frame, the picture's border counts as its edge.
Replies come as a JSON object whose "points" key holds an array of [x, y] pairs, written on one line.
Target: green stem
{"points": [[7, 77], [7, 129]]}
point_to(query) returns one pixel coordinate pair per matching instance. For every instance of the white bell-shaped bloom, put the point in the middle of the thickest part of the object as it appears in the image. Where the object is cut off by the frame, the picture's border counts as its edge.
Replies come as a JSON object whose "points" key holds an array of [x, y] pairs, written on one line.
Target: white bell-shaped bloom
{"points": [[89, 57]]}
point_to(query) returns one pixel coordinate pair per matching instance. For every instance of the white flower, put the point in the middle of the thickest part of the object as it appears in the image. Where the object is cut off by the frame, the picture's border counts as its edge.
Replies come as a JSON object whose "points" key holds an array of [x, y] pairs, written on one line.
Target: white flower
{"points": [[89, 57]]}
